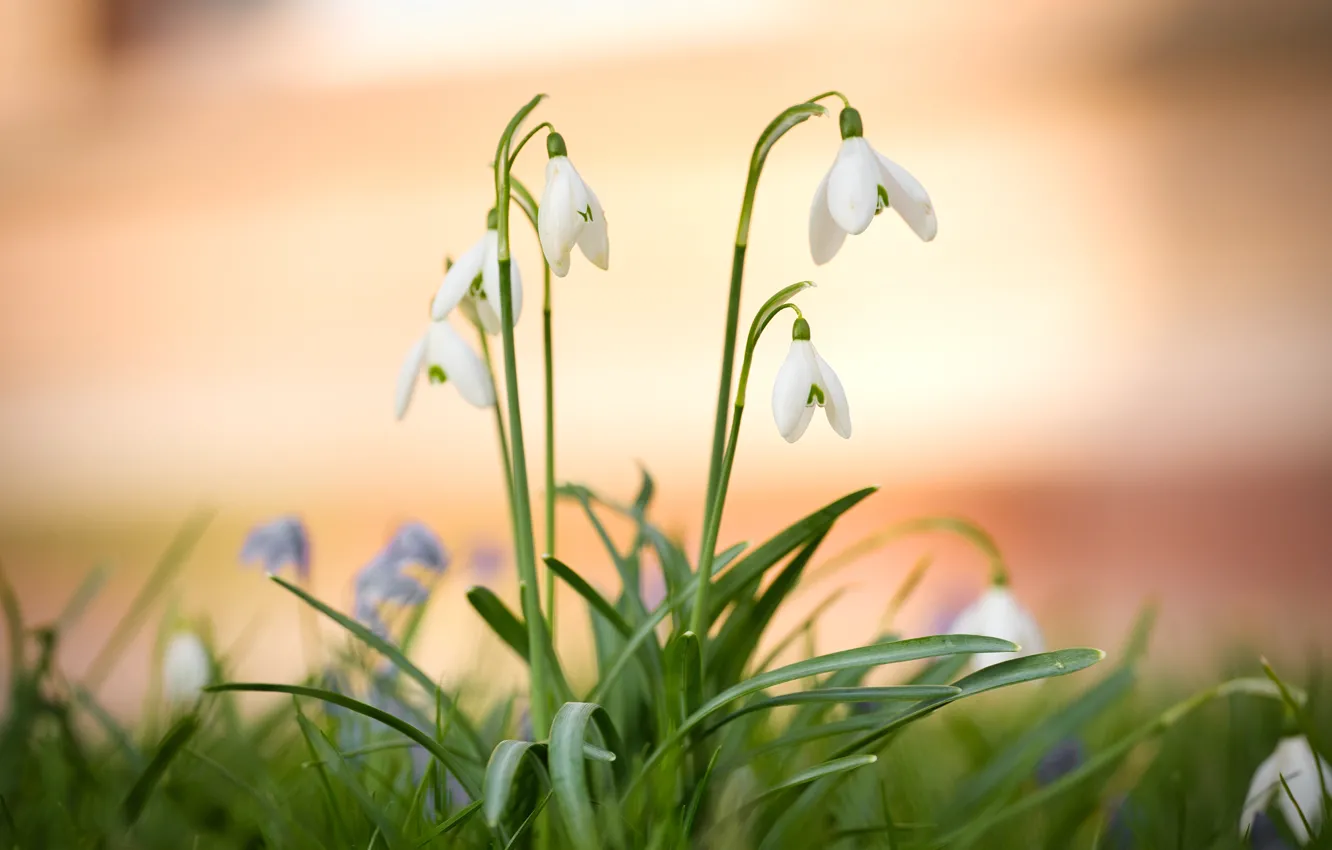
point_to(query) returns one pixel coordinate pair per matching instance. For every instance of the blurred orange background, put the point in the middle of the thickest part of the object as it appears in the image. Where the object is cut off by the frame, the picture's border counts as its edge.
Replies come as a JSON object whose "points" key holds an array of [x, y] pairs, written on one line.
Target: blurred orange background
{"points": [[221, 222]]}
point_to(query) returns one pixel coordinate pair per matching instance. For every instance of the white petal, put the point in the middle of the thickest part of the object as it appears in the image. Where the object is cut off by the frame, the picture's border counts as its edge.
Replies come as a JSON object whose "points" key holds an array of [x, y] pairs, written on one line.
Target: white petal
{"points": [[825, 237], [408, 375], [458, 279], [996, 614], [490, 284], [908, 197], [1298, 764], [462, 367], [593, 241], [558, 222], [790, 391], [186, 667], [853, 186], [1265, 783], [834, 398]]}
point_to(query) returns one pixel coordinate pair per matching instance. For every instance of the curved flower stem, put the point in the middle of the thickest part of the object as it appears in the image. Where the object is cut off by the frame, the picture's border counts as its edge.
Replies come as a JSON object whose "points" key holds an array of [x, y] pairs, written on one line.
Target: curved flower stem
{"points": [[544, 125], [965, 529], [526, 557], [503, 438], [774, 131], [550, 447], [700, 621]]}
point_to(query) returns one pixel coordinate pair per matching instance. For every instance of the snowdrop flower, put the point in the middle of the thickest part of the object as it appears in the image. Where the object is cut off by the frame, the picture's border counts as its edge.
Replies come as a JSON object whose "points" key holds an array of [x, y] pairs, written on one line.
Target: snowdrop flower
{"points": [[1295, 761], [997, 614], [443, 356], [277, 543], [805, 380], [186, 668], [861, 184], [570, 214], [472, 284]]}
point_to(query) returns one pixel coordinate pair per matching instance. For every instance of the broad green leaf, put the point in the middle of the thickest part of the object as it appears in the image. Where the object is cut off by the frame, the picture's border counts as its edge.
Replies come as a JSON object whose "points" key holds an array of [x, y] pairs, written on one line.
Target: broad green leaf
{"points": [[393, 654], [684, 686], [502, 771], [568, 774], [501, 620], [589, 593], [840, 695], [466, 772], [174, 741]]}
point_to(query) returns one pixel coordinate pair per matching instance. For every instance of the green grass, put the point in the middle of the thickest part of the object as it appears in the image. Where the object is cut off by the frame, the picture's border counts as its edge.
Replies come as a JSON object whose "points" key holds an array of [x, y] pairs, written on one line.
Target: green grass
{"points": [[677, 744]]}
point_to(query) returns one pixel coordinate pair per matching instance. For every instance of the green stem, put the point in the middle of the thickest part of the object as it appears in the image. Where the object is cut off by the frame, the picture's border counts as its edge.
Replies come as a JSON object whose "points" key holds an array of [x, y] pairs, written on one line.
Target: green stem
{"points": [[503, 439], [522, 501], [550, 450], [774, 131]]}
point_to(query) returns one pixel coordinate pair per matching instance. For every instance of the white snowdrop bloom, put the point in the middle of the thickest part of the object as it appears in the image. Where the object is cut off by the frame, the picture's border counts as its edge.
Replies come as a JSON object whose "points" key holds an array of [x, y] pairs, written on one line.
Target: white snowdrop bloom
{"points": [[1295, 761], [998, 614], [186, 667], [862, 183], [278, 542], [570, 214], [443, 356], [804, 381], [472, 284]]}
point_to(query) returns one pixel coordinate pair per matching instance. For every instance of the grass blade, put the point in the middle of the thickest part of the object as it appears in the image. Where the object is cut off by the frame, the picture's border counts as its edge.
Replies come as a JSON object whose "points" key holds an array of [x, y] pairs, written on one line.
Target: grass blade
{"points": [[808, 775], [836, 695], [501, 772], [172, 744], [589, 593], [501, 620], [324, 750], [82, 597], [700, 791], [177, 552], [465, 772], [393, 654], [568, 771], [458, 818]]}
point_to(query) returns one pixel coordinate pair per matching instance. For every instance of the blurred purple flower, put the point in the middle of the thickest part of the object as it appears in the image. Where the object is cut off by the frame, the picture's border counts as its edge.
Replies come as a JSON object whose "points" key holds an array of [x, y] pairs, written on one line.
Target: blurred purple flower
{"points": [[413, 542], [279, 542], [1063, 758], [383, 580], [486, 561], [653, 588], [1123, 821]]}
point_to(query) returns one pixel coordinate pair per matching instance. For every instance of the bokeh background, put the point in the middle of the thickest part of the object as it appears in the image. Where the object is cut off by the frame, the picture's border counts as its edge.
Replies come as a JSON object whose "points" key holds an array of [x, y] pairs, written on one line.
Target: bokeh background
{"points": [[221, 222]]}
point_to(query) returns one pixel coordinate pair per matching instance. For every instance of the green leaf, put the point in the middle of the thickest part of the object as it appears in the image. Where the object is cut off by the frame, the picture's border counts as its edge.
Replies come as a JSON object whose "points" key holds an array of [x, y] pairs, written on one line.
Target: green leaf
{"points": [[393, 654], [568, 774], [177, 552], [14, 624], [839, 695], [700, 791], [730, 584], [501, 620], [172, 743], [460, 768], [502, 770], [83, 596], [865, 656], [324, 749], [791, 636], [808, 775], [459, 818], [589, 593], [684, 685]]}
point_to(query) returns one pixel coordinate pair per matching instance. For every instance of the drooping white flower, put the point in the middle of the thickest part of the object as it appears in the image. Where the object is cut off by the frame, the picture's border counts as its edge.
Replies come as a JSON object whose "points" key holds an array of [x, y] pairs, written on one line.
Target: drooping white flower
{"points": [[1295, 761], [570, 214], [186, 667], [278, 542], [473, 285], [862, 183], [804, 381], [998, 614], [443, 356]]}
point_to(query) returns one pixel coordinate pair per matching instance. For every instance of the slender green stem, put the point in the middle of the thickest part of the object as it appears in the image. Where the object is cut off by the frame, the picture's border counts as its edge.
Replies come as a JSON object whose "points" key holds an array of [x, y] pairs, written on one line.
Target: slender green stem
{"points": [[544, 125], [503, 438], [699, 620], [550, 448], [522, 501], [774, 131]]}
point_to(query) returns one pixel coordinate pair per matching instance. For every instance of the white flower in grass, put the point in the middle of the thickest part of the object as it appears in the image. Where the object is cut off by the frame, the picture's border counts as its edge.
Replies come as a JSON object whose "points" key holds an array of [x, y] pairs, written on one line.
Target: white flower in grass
{"points": [[186, 668], [1295, 761], [443, 356], [570, 214], [277, 543], [804, 381], [472, 284], [862, 183], [998, 614]]}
